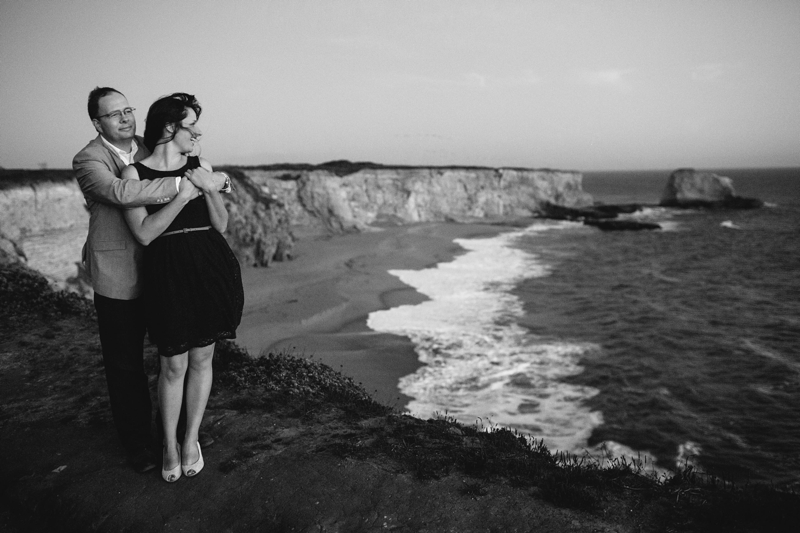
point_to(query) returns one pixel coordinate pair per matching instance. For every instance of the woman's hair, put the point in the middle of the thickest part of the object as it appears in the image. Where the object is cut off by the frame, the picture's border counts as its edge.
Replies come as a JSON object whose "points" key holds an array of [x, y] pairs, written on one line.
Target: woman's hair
{"points": [[168, 111]]}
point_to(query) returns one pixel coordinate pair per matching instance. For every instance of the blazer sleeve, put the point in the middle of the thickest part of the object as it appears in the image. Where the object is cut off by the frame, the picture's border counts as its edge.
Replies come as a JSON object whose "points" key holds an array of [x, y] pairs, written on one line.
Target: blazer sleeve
{"points": [[98, 181]]}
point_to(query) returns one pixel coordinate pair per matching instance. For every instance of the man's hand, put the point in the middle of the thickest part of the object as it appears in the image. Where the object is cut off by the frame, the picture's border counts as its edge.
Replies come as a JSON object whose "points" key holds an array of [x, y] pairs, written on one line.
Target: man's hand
{"points": [[207, 181]]}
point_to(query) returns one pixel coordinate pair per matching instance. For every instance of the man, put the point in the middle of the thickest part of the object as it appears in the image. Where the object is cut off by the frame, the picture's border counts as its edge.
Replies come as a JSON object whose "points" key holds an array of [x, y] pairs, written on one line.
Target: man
{"points": [[113, 260]]}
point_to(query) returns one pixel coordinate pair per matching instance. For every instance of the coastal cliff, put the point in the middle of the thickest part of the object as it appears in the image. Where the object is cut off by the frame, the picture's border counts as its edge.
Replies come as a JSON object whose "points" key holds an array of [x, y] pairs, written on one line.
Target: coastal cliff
{"points": [[44, 222], [34, 202], [341, 197], [43, 218]]}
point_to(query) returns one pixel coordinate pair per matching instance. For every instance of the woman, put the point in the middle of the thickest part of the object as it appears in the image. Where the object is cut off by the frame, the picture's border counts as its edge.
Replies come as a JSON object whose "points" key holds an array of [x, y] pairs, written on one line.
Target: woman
{"points": [[193, 284]]}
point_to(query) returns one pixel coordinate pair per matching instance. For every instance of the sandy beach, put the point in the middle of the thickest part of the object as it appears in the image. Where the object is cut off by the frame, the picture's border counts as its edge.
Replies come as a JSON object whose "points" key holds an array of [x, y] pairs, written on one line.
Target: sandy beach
{"points": [[317, 304]]}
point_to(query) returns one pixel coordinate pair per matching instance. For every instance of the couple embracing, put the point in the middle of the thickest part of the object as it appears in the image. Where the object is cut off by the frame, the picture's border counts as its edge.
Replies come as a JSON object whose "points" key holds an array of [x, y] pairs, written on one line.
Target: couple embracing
{"points": [[158, 264]]}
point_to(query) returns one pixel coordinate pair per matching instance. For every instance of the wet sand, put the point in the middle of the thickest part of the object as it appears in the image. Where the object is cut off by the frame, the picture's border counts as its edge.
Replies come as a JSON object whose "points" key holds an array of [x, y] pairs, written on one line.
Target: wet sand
{"points": [[317, 304]]}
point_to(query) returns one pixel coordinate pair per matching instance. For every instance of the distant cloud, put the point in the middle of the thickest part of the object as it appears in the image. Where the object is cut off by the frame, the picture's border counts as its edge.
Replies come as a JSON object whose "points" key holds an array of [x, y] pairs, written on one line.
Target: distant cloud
{"points": [[436, 136], [477, 80], [709, 71], [525, 78], [612, 78]]}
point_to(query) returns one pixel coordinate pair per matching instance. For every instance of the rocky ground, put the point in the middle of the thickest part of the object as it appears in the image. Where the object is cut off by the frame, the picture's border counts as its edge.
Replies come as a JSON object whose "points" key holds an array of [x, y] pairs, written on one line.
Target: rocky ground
{"points": [[299, 447]]}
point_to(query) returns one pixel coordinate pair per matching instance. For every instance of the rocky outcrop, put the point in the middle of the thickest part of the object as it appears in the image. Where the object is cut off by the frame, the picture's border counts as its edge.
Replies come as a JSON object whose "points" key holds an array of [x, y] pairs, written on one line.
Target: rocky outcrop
{"points": [[687, 187], [600, 216], [621, 225], [356, 197], [10, 251], [559, 212], [258, 224]]}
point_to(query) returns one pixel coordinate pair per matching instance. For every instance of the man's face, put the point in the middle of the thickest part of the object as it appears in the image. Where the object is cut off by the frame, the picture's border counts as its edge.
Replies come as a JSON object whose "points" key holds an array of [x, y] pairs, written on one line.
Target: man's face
{"points": [[115, 120]]}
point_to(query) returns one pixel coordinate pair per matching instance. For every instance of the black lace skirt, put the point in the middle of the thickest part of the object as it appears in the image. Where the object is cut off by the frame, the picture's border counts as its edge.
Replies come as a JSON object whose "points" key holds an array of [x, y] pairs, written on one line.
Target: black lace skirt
{"points": [[193, 291]]}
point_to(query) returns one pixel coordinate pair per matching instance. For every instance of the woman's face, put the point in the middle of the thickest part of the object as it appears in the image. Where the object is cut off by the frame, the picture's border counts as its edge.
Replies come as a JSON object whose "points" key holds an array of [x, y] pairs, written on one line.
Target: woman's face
{"points": [[188, 133]]}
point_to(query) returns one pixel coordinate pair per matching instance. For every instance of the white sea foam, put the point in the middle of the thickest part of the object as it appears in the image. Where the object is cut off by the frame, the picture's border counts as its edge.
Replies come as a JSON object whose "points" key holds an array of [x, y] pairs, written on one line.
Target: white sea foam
{"points": [[688, 455], [773, 355], [660, 215], [669, 225], [647, 213], [479, 365], [729, 224], [609, 452]]}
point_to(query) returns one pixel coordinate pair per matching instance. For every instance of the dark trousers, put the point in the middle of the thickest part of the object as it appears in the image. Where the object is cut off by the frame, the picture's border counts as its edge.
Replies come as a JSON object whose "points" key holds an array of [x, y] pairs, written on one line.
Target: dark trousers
{"points": [[122, 330]]}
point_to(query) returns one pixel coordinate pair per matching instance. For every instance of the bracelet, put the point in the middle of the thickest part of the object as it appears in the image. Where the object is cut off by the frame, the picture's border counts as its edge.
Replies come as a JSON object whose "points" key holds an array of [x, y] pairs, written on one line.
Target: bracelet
{"points": [[227, 187]]}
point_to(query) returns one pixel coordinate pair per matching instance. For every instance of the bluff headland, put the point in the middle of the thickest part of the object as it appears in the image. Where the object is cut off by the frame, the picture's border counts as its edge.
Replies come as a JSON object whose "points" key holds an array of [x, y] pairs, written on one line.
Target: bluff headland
{"points": [[271, 204], [341, 196]]}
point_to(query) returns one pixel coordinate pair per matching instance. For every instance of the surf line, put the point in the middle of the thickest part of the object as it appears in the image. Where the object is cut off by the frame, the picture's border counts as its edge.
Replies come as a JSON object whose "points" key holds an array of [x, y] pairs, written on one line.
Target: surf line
{"points": [[479, 364]]}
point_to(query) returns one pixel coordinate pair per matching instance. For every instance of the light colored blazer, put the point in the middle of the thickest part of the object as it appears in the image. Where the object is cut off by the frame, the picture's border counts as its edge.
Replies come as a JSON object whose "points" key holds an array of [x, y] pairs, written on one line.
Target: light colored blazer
{"points": [[112, 256]]}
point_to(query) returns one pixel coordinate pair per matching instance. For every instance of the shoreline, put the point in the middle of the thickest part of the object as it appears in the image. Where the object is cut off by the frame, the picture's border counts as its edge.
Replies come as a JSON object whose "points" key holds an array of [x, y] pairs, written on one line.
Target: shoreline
{"points": [[317, 304]]}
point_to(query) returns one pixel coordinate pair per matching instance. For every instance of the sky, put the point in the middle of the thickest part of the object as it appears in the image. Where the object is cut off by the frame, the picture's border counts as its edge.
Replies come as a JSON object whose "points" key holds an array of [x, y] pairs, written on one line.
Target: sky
{"points": [[566, 84]]}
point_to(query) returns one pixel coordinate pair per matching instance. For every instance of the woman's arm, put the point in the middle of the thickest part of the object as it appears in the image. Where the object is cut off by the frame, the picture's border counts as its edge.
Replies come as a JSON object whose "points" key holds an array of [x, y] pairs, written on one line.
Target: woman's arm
{"points": [[216, 208], [147, 227]]}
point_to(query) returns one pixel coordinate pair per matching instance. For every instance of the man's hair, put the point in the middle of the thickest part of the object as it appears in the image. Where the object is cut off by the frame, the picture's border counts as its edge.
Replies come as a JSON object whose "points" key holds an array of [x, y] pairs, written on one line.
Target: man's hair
{"points": [[168, 111], [94, 99]]}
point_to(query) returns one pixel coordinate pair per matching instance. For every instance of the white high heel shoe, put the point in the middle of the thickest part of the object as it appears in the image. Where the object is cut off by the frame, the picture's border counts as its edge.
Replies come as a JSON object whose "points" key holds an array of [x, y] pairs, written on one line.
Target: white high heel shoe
{"points": [[172, 475], [195, 468]]}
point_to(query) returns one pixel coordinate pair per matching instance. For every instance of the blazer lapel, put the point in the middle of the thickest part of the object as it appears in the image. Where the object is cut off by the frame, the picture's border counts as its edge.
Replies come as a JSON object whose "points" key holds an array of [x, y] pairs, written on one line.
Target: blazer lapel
{"points": [[112, 158]]}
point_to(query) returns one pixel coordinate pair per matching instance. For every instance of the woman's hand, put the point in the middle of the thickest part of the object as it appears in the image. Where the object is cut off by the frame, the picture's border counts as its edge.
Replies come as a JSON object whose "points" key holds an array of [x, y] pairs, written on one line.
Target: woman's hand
{"points": [[187, 190], [202, 178]]}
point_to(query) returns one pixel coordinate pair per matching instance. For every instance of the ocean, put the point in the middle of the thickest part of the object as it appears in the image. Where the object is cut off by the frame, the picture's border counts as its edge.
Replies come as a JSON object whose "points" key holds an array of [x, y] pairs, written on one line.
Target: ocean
{"points": [[677, 346]]}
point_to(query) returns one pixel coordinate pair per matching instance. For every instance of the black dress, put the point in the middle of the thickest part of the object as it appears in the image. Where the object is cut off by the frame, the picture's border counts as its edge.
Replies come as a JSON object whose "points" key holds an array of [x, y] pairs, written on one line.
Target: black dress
{"points": [[193, 284]]}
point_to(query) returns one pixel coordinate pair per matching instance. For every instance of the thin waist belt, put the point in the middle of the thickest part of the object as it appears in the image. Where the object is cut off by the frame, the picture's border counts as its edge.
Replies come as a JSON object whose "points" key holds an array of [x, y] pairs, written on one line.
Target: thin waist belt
{"points": [[184, 230]]}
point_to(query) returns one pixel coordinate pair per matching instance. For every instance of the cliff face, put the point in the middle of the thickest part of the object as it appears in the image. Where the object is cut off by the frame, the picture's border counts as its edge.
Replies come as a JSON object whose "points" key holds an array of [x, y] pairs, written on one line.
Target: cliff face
{"points": [[327, 200], [35, 202], [258, 226], [44, 222], [43, 218]]}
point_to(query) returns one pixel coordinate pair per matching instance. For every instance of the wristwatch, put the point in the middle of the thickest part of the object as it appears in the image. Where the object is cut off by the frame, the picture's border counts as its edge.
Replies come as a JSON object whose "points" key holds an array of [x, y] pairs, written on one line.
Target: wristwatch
{"points": [[227, 187]]}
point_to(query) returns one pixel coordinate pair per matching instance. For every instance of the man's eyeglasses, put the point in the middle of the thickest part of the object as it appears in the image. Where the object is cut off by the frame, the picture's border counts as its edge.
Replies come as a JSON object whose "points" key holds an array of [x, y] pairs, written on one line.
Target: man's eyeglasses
{"points": [[116, 115]]}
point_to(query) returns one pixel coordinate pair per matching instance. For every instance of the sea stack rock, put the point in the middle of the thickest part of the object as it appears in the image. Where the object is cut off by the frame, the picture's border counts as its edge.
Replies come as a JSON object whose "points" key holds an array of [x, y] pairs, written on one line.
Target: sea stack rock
{"points": [[688, 187], [10, 252]]}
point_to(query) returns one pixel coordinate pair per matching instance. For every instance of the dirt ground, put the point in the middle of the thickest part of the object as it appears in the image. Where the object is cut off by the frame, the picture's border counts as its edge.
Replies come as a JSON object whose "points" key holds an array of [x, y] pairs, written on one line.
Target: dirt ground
{"points": [[274, 466]]}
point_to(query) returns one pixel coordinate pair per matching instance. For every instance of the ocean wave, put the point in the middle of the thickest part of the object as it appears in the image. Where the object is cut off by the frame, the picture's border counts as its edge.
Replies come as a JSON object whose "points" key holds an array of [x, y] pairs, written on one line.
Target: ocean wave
{"points": [[662, 216], [479, 364], [648, 213], [729, 224]]}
